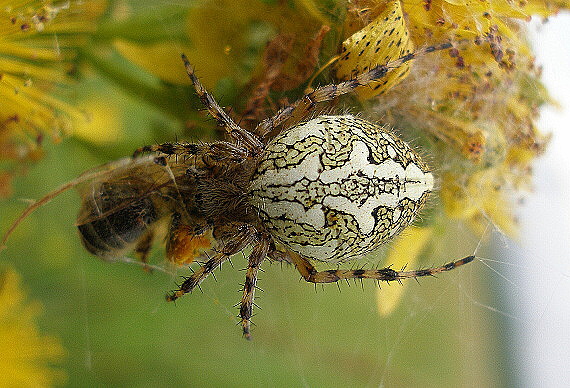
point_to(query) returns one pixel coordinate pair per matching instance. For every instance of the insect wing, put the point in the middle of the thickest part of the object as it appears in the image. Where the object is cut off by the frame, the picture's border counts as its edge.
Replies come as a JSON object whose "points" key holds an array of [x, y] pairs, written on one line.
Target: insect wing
{"points": [[94, 175], [128, 183]]}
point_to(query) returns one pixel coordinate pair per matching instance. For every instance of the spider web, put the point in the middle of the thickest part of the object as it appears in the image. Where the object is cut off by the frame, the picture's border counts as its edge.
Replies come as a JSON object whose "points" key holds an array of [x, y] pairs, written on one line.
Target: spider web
{"points": [[506, 309]]}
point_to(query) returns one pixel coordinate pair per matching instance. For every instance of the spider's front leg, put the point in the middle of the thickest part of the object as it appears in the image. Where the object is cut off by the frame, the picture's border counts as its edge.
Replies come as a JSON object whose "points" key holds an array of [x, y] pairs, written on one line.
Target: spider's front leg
{"points": [[305, 105], [256, 257], [241, 135], [310, 274], [217, 152]]}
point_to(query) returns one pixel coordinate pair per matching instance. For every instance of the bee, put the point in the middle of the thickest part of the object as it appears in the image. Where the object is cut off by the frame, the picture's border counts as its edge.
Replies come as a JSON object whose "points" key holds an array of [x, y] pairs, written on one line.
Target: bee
{"points": [[121, 212], [330, 188]]}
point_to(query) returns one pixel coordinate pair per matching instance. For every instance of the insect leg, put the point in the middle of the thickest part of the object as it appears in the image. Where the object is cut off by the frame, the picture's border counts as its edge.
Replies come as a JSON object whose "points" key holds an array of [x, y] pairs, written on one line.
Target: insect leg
{"points": [[310, 274], [302, 107], [256, 257], [242, 136], [142, 249]]}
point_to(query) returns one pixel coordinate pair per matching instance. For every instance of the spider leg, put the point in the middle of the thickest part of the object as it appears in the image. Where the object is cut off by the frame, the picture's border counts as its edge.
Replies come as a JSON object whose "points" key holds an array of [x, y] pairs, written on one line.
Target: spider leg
{"points": [[302, 107], [220, 151], [282, 257], [242, 136], [256, 257], [231, 247], [310, 274]]}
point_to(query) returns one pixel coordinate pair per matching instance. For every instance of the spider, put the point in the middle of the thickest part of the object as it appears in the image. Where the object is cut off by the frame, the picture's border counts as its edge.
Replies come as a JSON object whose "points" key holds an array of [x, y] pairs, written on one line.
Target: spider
{"points": [[328, 188]]}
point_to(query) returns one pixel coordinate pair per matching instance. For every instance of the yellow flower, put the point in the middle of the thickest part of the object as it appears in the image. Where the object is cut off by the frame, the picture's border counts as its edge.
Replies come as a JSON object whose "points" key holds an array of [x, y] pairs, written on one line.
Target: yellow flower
{"points": [[27, 355], [480, 100], [38, 40], [374, 42]]}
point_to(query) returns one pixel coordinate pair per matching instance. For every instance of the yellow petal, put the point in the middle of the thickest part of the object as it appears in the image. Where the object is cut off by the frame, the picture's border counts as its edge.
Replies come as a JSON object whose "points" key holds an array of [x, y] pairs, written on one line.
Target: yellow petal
{"points": [[404, 252], [385, 39], [28, 356], [38, 44], [102, 124], [479, 198], [161, 59]]}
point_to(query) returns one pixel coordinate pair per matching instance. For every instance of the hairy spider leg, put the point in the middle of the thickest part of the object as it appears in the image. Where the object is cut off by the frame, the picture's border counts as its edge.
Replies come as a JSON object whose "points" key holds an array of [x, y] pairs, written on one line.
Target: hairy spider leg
{"points": [[310, 274], [242, 136], [302, 107], [231, 247], [220, 151], [256, 257]]}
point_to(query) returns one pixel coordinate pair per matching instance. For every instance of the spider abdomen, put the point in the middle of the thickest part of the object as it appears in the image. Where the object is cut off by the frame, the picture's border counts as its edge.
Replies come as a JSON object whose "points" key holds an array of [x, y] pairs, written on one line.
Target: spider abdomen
{"points": [[337, 187]]}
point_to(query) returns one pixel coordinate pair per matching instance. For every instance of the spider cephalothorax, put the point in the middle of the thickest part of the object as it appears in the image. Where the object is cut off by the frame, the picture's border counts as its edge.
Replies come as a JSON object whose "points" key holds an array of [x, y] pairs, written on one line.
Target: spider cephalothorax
{"points": [[331, 189]]}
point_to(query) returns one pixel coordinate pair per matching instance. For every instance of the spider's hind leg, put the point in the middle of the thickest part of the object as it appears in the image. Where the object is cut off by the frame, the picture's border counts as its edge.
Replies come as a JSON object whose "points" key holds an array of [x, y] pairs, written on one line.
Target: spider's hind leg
{"points": [[310, 274]]}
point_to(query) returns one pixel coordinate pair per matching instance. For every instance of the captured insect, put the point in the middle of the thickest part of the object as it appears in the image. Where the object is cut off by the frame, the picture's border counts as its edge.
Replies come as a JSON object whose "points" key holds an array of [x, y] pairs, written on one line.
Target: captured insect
{"points": [[329, 188]]}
